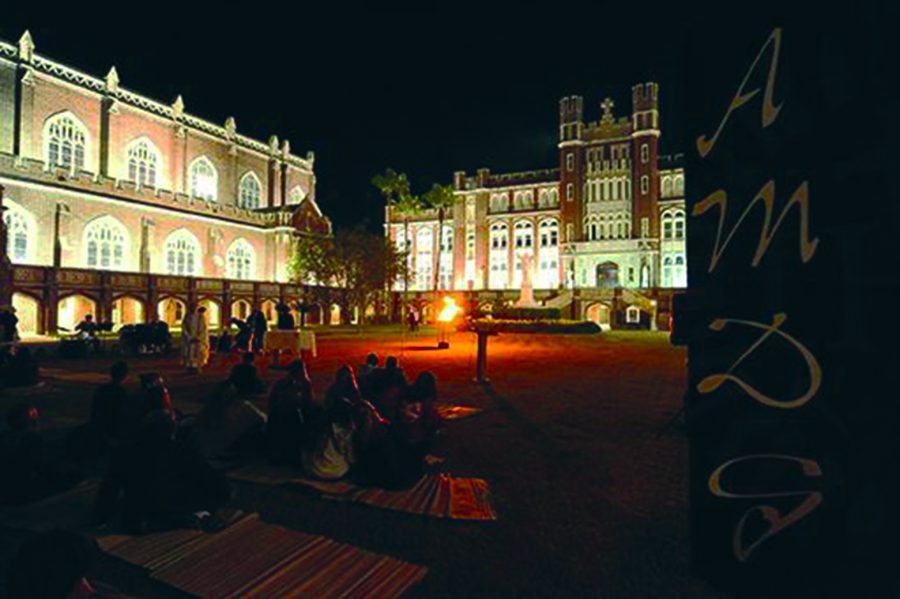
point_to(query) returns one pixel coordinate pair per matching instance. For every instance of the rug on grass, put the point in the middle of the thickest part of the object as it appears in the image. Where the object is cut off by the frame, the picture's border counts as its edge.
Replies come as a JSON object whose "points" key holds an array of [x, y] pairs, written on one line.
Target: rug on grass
{"points": [[254, 558], [449, 411], [436, 495]]}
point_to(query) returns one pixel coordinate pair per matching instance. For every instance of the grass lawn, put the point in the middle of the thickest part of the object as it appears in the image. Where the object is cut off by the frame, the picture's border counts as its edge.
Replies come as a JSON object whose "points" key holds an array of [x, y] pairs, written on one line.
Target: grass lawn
{"points": [[591, 500]]}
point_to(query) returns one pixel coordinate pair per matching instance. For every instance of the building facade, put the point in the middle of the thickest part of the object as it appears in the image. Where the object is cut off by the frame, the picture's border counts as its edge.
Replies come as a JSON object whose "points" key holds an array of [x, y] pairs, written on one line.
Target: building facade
{"points": [[131, 209], [604, 231]]}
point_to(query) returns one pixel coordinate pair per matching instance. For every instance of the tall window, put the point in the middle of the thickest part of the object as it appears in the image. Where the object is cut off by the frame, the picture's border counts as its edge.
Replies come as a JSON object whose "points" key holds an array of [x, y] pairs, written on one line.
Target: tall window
{"points": [[570, 192], [499, 236], [667, 187], [104, 243], [667, 272], [645, 184], [20, 231], [239, 260], [679, 185], [523, 234], [678, 221], [667, 225], [445, 262], [142, 163], [65, 142], [679, 272], [570, 161], [499, 203], [183, 254], [499, 256], [204, 179], [424, 258], [645, 153], [554, 198], [548, 269], [249, 191], [591, 229]]}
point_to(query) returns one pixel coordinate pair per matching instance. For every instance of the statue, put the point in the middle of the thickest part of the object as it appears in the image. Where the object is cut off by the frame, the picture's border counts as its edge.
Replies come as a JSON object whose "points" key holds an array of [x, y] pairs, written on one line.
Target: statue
{"points": [[526, 294]]}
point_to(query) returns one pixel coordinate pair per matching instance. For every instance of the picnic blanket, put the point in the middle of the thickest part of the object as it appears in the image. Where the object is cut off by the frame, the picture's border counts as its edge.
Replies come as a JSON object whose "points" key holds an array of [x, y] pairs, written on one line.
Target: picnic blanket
{"points": [[255, 558], [436, 495], [449, 411]]}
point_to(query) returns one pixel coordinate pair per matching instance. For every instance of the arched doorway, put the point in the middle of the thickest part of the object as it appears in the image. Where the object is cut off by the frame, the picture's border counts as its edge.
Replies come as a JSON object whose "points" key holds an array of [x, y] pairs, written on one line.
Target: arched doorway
{"points": [[240, 309], [335, 315], [268, 310], [314, 315], [28, 311], [213, 312], [127, 310], [171, 311], [607, 274], [599, 313], [72, 309]]}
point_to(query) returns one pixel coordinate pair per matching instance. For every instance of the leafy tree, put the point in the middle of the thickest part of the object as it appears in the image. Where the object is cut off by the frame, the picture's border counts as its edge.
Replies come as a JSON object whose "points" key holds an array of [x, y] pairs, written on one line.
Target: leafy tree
{"points": [[441, 198], [396, 191]]}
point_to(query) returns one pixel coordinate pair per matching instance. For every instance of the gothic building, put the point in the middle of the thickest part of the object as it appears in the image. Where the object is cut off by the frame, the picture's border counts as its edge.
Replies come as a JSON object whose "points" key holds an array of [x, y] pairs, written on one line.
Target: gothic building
{"points": [[605, 230], [121, 206]]}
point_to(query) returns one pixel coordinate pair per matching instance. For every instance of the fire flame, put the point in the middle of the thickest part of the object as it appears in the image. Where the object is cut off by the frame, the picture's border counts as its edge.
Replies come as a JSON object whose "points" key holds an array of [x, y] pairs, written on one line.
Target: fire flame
{"points": [[449, 311]]}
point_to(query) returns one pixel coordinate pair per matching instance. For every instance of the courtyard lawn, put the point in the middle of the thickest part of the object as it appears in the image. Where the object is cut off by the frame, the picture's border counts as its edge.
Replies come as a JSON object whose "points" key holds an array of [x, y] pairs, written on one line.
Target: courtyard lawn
{"points": [[591, 500]]}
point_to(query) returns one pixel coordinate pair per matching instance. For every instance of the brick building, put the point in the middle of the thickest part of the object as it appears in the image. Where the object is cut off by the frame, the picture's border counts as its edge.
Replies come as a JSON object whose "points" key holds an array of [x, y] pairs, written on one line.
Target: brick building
{"points": [[131, 209], [605, 230]]}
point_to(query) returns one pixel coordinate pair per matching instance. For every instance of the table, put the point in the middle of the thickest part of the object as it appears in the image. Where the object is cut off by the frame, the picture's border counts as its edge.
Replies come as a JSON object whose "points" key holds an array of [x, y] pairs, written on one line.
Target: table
{"points": [[294, 341]]}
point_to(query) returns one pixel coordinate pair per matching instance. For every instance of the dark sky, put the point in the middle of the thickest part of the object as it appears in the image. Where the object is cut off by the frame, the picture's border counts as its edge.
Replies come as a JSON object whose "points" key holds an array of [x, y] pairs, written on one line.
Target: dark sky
{"points": [[423, 92]]}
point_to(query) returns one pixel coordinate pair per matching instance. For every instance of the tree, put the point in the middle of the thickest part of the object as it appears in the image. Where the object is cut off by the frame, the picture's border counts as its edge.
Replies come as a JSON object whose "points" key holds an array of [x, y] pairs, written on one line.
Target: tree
{"points": [[395, 188], [351, 269]]}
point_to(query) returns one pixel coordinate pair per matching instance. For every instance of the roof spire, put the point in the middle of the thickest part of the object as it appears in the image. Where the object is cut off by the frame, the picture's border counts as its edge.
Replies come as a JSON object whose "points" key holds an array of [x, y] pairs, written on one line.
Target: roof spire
{"points": [[112, 80], [178, 107], [26, 47]]}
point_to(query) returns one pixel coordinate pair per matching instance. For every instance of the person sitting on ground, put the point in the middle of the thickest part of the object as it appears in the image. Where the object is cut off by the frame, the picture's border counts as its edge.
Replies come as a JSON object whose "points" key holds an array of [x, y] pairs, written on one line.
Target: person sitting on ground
{"points": [[153, 396], [415, 424], [385, 386], [363, 372], [166, 481], [332, 454], [27, 468], [245, 377], [225, 343], [109, 403], [52, 565], [87, 329], [20, 369], [227, 420], [344, 387], [292, 416]]}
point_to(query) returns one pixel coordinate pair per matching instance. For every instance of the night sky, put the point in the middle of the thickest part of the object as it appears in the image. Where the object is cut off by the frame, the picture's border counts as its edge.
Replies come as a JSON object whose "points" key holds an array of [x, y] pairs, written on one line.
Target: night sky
{"points": [[423, 92]]}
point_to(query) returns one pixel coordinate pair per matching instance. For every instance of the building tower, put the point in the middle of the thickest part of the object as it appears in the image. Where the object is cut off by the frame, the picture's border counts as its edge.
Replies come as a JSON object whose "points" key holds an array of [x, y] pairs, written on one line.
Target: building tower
{"points": [[645, 150], [571, 168]]}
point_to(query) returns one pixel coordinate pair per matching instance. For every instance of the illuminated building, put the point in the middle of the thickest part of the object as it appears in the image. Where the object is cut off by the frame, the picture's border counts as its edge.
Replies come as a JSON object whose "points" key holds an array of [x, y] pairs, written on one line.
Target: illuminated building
{"points": [[130, 209], [606, 229]]}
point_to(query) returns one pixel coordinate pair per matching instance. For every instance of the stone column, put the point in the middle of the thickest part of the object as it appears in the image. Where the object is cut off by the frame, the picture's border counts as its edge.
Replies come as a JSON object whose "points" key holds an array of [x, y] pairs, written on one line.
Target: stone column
{"points": [[146, 232]]}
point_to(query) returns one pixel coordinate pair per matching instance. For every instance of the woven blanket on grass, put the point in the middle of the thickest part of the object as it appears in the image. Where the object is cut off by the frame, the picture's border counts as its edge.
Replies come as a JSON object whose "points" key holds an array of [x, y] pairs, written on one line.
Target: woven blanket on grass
{"points": [[254, 558], [436, 495], [449, 411]]}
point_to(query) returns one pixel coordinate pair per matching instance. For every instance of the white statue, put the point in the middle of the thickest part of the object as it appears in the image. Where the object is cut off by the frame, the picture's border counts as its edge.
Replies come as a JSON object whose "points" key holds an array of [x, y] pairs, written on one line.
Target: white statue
{"points": [[526, 294]]}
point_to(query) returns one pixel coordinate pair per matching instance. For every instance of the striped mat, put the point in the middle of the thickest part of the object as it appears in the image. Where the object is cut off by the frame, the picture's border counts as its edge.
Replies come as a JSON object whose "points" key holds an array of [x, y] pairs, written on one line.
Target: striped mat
{"points": [[435, 495], [449, 411], [254, 558]]}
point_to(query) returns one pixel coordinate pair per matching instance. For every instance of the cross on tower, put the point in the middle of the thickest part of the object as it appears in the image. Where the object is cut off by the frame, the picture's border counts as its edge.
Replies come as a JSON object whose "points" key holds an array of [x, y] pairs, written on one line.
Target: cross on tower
{"points": [[607, 106]]}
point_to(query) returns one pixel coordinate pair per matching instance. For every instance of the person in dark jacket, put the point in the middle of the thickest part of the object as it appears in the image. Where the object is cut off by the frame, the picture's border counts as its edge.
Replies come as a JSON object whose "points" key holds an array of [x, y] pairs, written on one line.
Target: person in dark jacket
{"points": [[260, 325], [245, 377], [293, 416]]}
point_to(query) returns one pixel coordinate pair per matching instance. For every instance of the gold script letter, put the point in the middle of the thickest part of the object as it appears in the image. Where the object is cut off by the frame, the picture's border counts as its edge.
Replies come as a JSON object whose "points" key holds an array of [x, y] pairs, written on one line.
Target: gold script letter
{"points": [[776, 521], [766, 195], [769, 112], [714, 381]]}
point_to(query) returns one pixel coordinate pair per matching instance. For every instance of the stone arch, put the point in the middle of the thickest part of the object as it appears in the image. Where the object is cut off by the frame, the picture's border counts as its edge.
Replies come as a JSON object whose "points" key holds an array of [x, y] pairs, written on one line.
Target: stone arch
{"points": [[28, 310], [171, 310], [600, 314], [213, 312], [72, 308], [127, 309]]}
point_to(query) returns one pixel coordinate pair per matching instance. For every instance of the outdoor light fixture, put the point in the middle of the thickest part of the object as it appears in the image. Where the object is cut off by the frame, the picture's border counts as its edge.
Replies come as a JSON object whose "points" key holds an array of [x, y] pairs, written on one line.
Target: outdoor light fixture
{"points": [[446, 315]]}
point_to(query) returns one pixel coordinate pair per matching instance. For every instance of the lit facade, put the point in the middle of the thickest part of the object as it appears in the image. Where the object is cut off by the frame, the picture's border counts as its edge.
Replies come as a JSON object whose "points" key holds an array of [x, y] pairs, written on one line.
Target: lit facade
{"points": [[98, 178], [611, 215]]}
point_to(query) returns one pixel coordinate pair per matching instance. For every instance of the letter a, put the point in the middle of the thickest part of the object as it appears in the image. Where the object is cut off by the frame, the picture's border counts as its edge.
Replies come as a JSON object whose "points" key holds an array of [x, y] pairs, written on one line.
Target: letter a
{"points": [[769, 111]]}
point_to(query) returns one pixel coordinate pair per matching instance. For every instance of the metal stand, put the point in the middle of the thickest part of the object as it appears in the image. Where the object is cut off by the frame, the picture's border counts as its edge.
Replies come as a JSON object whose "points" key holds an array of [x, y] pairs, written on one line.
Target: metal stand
{"points": [[481, 361]]}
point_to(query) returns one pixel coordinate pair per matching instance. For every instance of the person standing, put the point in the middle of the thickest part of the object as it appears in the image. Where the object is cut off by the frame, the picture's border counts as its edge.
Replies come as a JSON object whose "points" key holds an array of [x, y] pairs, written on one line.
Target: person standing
{"points": [[260, 326], [195, 340], [9, 326]]}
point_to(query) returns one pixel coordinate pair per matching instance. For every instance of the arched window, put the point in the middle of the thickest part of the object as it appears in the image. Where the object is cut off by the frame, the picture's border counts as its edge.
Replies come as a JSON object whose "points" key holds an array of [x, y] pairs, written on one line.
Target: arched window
{"points": [[65, 142], [543, 199], [239, 260], [204, 179], [667, 272], [249, 191], [554, 198], [183, 254], [296, 196], [447, 239], [679, 185], [679, 272], [667, 225], [678, 222], [104, 243], [523, 234], [549, 232], [666, 187], [143, 160], [499, 236], [21, 232], [592, 230]]}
